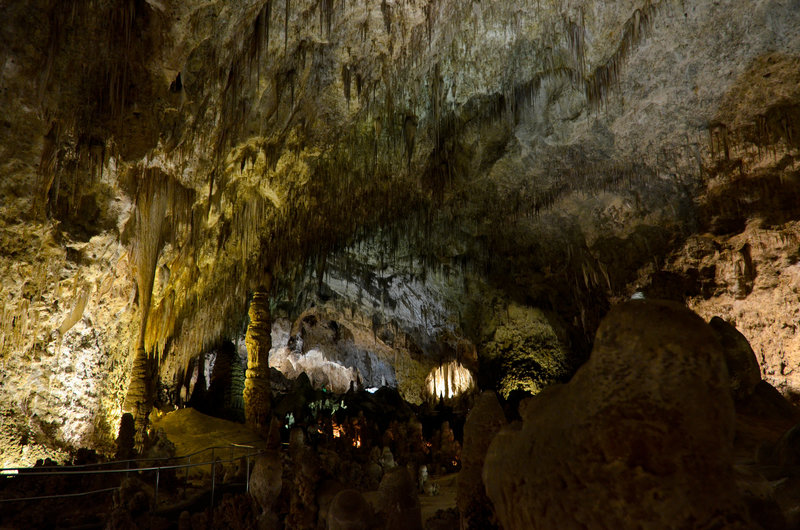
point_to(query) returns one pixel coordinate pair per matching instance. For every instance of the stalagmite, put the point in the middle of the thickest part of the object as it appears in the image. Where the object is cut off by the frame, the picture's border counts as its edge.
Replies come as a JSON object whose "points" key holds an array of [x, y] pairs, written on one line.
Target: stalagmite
{"points": [[139, 400], [258, 342]]}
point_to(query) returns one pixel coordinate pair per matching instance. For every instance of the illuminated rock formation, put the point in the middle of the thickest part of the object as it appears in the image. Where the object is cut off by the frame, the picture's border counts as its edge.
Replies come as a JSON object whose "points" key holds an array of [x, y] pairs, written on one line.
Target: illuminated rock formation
{"points": [[257, 396], [449, 381], [636, 435], [429, 170]]}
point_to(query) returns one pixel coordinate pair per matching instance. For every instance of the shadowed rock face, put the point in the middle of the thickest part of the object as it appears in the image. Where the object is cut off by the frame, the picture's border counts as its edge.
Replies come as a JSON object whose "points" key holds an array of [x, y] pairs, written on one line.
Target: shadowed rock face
{"points": [[349, 511], [449, 159], [483, 422], [642, 433]]}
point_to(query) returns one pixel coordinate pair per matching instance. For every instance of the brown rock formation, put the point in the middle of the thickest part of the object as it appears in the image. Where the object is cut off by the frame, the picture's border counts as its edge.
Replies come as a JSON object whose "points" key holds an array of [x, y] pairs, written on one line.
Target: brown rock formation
{"points": [[398, 502], [139, 401], [303, 508], [256, 385], [266, 481], [641, 436], [349, 511], [743, 369], [483, 422], [156, 155]]}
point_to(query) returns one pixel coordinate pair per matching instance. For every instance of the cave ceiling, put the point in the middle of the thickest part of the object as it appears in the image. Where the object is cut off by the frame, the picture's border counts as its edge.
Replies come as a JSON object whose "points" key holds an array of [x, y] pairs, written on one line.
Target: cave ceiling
{"points": [[160, 160]]}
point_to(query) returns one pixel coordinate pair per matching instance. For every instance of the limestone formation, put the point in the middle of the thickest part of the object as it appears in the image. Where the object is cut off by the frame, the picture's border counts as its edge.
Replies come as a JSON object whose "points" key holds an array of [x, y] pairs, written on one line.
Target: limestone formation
{"points": [[266, 480], [126, 438], [445, 450], [525, 352], [360, 153], [303, 503], [642, 433], [743, 369], [226, 387], [398, 503], [483, 422], [140, 397], [257, 398], [349, 511]]}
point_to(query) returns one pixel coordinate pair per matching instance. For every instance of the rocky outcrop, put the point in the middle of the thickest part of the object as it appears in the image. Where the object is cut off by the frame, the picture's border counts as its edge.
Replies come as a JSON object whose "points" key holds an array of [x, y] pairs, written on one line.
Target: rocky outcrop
{"points": [[349, 511], [266, 482], [643, 432], [743, 369], [397, 501], [766, 317], [483, 422]]}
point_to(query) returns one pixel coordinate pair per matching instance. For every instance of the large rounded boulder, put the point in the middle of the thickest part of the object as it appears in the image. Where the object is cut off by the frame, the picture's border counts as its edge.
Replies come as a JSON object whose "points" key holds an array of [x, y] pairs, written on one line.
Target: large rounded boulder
{"points": [[641, 437]]}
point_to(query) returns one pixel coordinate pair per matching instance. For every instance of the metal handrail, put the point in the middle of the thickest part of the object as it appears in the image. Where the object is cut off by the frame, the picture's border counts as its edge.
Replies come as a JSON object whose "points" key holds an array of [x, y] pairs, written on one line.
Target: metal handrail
{"points": [[126, 470], [157, 469], [141, 459], [62, 496]]}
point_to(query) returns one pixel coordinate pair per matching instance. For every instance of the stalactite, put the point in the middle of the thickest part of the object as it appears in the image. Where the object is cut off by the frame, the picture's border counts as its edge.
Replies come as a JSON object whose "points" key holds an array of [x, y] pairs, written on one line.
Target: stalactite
{"points": [[259, 41], [48, 168], [636, 29], [428, 8], [409, 136], [346, 78], [286, 26], [326, 17], [436, 102], [386, 10], [576, 40]]}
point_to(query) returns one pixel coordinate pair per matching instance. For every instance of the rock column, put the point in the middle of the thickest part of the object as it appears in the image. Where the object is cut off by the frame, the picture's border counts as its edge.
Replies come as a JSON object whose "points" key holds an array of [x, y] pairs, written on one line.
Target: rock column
{"points": [[139, 400], [256, 385]]}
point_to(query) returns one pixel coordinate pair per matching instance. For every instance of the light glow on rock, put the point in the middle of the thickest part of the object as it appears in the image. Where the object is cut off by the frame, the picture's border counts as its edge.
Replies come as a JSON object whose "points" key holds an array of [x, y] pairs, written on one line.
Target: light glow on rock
{"points": [[449, 380]]}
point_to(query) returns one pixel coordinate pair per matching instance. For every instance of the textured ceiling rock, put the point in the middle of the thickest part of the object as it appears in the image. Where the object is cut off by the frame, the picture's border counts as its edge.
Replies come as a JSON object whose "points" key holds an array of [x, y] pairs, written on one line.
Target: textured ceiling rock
{"points": [[159, 158]]}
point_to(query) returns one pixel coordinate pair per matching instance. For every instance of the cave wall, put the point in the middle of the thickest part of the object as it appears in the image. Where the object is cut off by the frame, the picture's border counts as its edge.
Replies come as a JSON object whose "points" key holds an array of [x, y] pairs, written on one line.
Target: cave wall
{"points": [[159, 158]]}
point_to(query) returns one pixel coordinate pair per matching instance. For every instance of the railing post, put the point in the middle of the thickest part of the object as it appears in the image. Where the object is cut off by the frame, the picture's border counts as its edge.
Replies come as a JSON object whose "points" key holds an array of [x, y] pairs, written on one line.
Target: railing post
{"points": [[247, 474], [213, 475], [186, 477], [155, 496]]}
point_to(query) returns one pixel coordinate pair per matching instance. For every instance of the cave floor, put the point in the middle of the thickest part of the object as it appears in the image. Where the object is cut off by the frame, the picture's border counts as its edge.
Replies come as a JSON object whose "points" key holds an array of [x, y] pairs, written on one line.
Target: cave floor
{"points": [[192, 431]]}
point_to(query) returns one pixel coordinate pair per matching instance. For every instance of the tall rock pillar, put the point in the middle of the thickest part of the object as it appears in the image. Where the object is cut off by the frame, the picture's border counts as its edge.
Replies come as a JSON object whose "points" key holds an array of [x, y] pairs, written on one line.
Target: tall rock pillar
{"points": [[140, 398], [258, 340]]}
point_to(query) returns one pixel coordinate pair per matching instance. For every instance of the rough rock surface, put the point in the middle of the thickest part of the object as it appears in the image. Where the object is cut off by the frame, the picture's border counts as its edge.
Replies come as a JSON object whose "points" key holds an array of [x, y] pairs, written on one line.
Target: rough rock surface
{"points": [[743, 369], [767, 316], [483, 422], [642, 433], [158, 157], [266, 481], [349, 510], [397, 501], [257, 398], [525, 352]]}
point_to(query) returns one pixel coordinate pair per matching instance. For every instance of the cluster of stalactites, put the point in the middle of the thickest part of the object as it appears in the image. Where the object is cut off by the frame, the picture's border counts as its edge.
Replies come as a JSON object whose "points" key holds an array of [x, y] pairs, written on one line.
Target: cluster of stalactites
{"points": [[362, 168], [449, 381]]}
